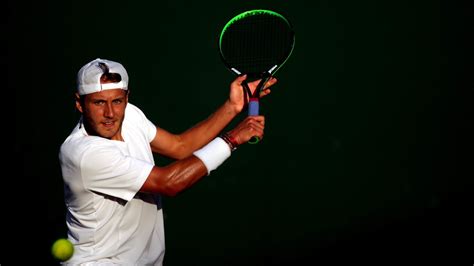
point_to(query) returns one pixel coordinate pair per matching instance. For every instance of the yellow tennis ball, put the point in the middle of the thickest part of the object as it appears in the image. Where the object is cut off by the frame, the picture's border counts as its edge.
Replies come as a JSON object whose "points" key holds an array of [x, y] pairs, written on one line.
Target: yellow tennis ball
{"points": [[62, 249]]}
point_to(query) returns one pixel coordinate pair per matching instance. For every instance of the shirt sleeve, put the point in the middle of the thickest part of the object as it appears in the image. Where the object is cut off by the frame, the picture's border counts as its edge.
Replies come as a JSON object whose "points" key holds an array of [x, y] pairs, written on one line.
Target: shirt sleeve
{"points": [[107, 170]]}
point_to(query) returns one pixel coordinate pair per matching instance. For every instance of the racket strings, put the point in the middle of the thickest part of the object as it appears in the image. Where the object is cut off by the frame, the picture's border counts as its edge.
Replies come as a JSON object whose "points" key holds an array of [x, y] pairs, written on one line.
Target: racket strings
{"points": [[256, 42]]}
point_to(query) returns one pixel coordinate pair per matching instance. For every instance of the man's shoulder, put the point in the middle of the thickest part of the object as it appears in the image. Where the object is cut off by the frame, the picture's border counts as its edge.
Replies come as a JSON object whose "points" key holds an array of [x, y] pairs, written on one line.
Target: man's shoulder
{"points": [[133, 109], [134, 114]]}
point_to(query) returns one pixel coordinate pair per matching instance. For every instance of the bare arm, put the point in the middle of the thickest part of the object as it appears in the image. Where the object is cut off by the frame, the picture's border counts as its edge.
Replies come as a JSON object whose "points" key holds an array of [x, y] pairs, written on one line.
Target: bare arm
{"points": [[188, 169], [175, 177], [182, 174], [179, 146]]}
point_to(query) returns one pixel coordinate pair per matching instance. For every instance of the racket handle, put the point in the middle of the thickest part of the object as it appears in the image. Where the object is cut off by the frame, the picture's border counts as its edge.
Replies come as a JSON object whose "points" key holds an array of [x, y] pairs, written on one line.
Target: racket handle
{"points": [[253, 107], [253, 110]]}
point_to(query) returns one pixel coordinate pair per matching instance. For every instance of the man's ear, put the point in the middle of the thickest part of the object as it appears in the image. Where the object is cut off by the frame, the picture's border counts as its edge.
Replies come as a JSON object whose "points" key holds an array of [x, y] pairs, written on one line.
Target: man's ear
{"points": [[78, 102]]}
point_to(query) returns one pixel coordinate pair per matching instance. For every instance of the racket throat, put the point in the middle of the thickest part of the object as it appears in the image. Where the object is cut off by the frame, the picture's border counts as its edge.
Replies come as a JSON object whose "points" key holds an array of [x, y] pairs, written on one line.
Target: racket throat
{"points": [[271, 70], [254, 98]]}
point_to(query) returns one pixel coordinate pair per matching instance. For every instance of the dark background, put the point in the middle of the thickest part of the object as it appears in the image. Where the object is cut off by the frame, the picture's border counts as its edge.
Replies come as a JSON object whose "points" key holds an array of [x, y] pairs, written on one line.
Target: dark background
{"points": [[367, 155]]}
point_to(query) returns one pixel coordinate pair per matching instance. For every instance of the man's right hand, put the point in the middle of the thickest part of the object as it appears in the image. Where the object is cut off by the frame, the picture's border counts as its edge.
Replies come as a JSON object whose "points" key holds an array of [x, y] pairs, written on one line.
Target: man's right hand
{"points": [[251, 126]]}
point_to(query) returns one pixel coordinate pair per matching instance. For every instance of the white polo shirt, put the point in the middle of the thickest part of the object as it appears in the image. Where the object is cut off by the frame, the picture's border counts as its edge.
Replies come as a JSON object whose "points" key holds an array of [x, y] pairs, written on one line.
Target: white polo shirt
{"points": [[109, 221]]}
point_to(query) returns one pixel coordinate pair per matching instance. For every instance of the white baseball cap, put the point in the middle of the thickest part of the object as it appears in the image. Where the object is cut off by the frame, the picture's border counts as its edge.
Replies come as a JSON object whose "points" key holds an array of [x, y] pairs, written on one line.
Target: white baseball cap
{"points": [[88, 77]]}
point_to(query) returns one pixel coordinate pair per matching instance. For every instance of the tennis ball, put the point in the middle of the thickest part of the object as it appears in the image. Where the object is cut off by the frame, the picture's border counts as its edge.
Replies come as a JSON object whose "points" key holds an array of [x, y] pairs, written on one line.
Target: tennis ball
{"points": [[62, 249]]}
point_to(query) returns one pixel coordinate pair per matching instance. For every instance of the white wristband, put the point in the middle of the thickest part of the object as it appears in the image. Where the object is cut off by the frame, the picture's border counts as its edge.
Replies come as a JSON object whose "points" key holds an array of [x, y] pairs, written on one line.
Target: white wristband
{"points": [[213, 154]]}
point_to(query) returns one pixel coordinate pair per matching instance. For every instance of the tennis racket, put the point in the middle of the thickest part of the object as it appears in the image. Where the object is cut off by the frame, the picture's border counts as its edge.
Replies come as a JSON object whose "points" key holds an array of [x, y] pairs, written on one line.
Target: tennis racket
{"points": [[257, 43]]}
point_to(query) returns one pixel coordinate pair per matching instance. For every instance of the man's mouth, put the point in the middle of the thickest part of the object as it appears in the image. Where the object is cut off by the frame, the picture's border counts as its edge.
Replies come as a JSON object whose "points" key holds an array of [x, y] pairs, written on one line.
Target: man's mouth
{"points": [[108, 124]]}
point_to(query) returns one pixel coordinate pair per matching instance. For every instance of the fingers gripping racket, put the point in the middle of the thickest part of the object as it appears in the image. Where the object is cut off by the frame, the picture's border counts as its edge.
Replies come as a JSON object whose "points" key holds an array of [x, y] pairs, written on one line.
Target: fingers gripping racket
{"points": [[257, 43]]}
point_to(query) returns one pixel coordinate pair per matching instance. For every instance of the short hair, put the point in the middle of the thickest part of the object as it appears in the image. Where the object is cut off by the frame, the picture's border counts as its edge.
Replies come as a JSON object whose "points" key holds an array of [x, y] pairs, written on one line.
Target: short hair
{"points": [[108, 77]]}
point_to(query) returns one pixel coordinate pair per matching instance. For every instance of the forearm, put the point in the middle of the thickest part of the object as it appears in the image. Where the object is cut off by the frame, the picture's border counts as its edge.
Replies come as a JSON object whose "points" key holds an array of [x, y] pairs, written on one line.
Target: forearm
{"points": [[175, 177], [180, 175], [204, 131]]}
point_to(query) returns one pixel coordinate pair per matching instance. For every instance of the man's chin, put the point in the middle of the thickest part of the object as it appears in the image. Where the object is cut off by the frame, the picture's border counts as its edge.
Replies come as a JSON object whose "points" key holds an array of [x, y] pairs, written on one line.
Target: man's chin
{"points": [[108, 133]]}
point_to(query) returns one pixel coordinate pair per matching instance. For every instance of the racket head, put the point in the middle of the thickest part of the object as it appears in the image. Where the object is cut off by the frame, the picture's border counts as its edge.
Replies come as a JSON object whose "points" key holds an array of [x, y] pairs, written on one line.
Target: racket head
{"points": [[256, 42]]}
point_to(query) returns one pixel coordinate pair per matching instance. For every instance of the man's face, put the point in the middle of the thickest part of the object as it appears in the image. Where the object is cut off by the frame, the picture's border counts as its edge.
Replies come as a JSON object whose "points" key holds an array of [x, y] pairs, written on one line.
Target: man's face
{"points": [[103, 112]]}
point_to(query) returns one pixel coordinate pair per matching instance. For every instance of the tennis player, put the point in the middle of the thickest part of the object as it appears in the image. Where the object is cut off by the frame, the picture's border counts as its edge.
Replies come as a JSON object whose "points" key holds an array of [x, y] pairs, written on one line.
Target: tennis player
{"points": [[113, 188]]}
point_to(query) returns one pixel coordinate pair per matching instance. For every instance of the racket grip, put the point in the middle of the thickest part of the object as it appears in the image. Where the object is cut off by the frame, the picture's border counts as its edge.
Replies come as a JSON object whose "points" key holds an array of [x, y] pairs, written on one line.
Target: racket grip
{"points": [[253, 106], [253, 109]]}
